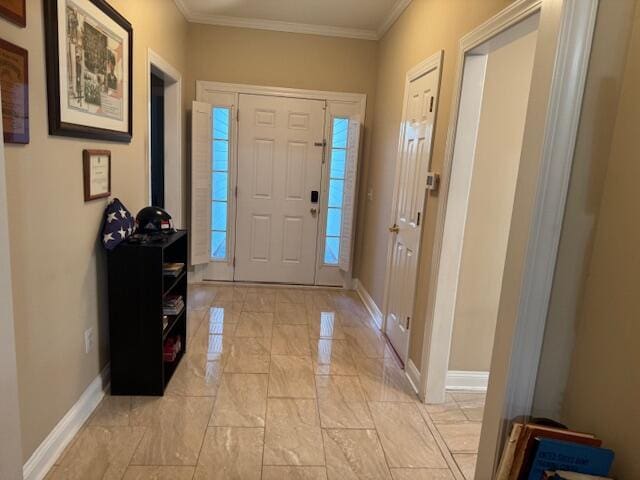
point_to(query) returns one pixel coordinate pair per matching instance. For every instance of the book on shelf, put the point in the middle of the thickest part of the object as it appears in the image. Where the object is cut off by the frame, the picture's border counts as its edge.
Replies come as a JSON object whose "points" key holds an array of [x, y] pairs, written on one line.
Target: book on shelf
{"points": [[172, 269], [172, 348], [564, 475], [172, 305], [523, 445], [556, 455]]}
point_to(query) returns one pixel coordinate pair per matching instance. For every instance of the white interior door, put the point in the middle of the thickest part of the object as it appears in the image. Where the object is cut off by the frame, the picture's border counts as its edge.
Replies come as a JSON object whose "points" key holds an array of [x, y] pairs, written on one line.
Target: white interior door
{"points": [[280, 149], [411, 184]]}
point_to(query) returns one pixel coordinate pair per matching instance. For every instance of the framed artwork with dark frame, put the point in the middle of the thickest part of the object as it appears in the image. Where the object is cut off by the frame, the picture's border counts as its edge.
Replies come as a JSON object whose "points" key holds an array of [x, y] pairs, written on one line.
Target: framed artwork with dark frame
{"points": [[96, 172], [89, 50], [15, 11], [14, 84]]}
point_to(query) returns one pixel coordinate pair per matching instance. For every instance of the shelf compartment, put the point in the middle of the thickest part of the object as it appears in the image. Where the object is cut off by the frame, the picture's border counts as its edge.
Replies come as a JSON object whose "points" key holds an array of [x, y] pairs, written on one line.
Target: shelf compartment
{"points": [[171, 282], [173, 321], [170, 367]]}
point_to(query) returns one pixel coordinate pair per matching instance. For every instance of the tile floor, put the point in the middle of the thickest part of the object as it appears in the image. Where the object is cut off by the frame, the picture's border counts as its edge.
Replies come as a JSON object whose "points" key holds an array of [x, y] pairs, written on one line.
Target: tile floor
{"points": [[279, 384]]}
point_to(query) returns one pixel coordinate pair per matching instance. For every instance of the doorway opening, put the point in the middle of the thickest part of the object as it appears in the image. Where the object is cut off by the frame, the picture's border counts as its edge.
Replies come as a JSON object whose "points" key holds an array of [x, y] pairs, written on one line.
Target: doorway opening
{"points": [[157, 140], [492, 114], [411, 189], [273, 181], [164, 150]]}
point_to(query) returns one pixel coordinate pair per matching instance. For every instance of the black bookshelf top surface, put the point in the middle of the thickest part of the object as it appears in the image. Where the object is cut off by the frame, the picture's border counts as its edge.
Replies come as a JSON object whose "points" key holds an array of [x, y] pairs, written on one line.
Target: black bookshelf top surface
{"points": [[157, 242]]}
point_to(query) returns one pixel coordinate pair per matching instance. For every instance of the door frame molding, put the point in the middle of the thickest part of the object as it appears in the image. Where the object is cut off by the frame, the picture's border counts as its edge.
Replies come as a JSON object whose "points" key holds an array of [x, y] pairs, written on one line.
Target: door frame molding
{"points": [[173, 118], [202, 86], [561, 62], [432, 62], [336, 99], [10, 442]]}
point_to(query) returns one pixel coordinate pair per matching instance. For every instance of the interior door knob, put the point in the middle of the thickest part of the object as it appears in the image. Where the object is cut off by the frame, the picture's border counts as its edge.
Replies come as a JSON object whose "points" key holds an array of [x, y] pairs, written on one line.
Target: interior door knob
{"points": [[394, 229]]}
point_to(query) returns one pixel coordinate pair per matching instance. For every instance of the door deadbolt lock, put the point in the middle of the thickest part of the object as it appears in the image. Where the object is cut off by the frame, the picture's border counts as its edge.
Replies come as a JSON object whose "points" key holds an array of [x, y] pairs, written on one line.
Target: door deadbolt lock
{"points": [[433, 181]]}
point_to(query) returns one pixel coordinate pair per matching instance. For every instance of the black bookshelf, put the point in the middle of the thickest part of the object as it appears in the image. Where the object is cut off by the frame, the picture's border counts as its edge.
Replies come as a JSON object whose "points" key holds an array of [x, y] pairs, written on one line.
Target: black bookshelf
{"points": [[137, 288]]}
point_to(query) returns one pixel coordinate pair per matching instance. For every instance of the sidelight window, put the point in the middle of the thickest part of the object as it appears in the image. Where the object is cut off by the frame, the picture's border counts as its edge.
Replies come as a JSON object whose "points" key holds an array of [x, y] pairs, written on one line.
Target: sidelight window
{"points": [[335, 206], [220, 182]]}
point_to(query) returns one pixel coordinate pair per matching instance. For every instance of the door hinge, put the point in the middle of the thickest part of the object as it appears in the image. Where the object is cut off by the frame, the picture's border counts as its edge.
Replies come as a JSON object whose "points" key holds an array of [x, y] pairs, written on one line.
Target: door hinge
{"points": [[418, 220], [408, 323], [431, 104], [238, 115], [234, 262], [236, 192]]}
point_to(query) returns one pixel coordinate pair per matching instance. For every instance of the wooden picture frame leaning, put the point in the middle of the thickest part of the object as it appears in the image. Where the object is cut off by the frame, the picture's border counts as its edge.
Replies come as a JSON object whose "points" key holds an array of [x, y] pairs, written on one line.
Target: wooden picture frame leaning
{"points": [[15, 11], [14, 82]]}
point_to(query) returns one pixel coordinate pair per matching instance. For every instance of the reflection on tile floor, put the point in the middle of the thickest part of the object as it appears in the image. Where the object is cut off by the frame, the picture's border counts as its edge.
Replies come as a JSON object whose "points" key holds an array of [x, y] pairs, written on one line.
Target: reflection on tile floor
{"points": [[279, 383]]}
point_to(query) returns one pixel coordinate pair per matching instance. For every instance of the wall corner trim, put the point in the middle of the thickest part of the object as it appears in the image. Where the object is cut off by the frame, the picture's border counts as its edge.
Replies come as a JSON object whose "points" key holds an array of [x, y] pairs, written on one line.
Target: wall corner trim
{"points": [[375, 312], [44, 457], [412, 373], [467, 380]]}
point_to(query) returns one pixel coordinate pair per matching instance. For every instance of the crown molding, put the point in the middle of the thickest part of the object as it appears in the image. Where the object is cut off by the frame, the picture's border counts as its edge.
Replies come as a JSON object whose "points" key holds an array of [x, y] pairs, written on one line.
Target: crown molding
{"points": [[279, 26], [183, 9], [294, 27], [394, 14]]}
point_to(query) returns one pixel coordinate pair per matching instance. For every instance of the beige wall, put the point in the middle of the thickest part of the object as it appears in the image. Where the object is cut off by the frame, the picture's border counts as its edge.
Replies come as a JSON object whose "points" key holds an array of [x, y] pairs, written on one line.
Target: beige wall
{"points": [[425, 27], [593, 144], [10, 445], [261, 57], [604, 379], [495, 170], [58, 265]]}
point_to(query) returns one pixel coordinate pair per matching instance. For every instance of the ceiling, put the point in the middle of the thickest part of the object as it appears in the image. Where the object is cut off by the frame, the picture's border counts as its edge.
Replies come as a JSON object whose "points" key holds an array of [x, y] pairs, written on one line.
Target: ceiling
{"points": [[366, 19]]}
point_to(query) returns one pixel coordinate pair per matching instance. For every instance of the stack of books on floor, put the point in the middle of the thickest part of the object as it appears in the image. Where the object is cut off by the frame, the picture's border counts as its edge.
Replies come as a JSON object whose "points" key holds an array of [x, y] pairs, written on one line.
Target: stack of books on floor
{"points": [[563, 475], [536, 451], [172, 269], [172, 305]]}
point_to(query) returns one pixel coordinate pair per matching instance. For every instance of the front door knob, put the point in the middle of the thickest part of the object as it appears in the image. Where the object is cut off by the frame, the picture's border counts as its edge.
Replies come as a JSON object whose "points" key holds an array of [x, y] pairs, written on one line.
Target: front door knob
{"points": [[394, 229]]}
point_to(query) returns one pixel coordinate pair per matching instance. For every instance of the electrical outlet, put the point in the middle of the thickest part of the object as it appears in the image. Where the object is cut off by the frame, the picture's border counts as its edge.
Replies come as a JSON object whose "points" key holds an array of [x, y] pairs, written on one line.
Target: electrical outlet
{"points": [[89, 340]]}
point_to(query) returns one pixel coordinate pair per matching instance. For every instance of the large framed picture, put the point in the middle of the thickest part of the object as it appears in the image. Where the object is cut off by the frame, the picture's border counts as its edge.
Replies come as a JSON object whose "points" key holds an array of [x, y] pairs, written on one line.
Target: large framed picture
{"points": [[89, 49], [14, 84], [14, 11]]}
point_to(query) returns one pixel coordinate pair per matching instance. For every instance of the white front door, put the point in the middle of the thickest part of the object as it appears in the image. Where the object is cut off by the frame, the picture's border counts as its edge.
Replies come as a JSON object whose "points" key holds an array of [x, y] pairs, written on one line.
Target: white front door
{"points": [[280, 148], [410, 190]]}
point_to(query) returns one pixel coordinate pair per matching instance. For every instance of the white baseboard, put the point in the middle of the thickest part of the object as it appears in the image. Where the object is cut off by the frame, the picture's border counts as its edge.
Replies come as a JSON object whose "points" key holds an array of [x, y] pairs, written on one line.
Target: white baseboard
{"points": [[467, 380], [412, 373], [52, 447], [375, 312]]}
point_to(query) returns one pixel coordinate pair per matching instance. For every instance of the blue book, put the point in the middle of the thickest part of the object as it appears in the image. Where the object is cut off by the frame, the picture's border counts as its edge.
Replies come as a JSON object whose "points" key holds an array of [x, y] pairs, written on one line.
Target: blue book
{"points": [[558, 455]]}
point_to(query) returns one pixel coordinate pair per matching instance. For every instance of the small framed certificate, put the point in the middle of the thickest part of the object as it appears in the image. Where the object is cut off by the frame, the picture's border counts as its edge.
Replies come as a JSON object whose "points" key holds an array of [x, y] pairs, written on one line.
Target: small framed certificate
{"points": [[97, 174]]}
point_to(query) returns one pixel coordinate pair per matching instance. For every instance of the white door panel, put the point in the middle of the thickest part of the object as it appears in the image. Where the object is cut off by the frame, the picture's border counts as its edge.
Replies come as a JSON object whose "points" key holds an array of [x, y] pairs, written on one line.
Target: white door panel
{"points": [[279, 164], [412, 173]]}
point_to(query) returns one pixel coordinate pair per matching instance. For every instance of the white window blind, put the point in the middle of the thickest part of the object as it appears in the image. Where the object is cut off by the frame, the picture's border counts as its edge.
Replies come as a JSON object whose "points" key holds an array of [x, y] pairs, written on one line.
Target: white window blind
{"points": [[200, 182]]}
